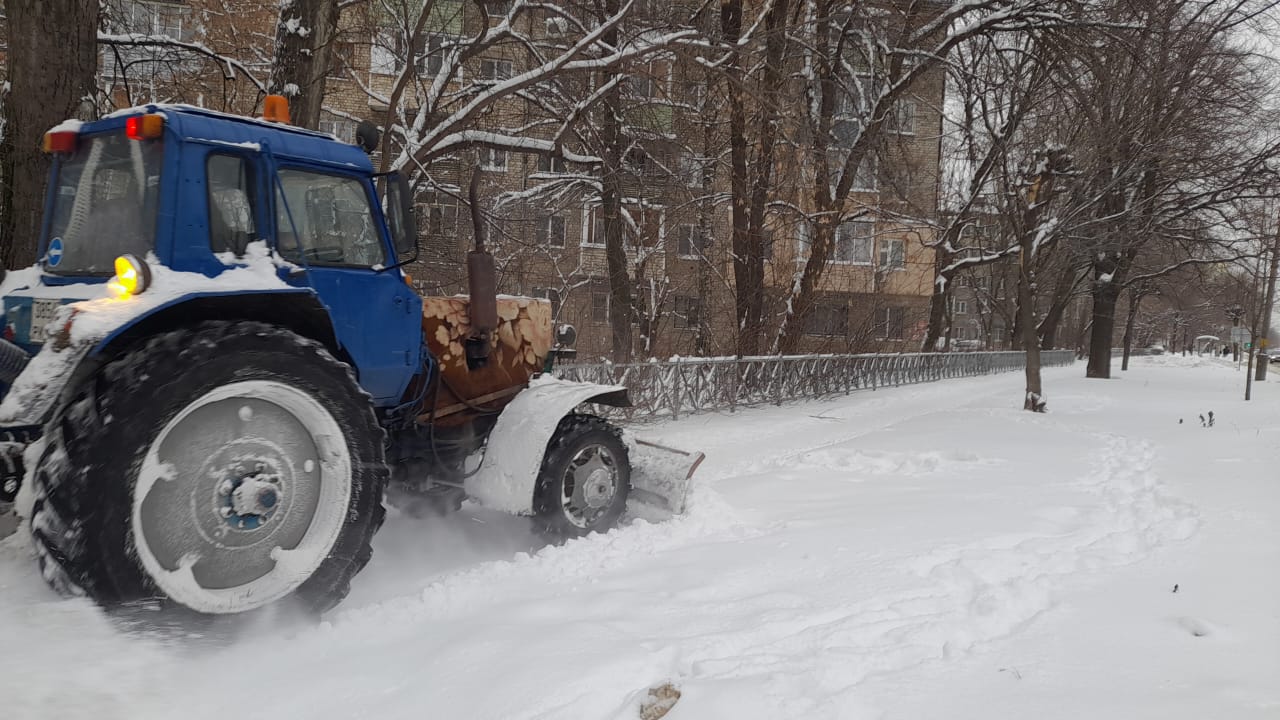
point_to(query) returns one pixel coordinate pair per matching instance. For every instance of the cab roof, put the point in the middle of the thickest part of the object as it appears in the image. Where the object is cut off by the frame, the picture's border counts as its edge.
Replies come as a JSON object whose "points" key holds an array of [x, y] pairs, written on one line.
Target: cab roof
{"points": [[284, 141]]}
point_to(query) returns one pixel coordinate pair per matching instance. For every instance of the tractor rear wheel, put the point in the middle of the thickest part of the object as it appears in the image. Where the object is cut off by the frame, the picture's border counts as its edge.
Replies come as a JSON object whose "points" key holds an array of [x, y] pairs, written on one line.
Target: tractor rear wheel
{"points": [[216, 470], [585, 479]]}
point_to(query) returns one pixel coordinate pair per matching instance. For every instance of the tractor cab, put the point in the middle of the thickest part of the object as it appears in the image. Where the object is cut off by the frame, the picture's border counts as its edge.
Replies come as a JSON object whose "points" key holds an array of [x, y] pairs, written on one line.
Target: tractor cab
{"points": [[195, 191]]}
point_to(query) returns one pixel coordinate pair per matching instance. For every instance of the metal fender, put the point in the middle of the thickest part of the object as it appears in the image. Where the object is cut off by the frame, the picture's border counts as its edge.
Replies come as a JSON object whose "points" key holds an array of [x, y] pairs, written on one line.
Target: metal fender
{"points": [[513, 454], [88, 328]]}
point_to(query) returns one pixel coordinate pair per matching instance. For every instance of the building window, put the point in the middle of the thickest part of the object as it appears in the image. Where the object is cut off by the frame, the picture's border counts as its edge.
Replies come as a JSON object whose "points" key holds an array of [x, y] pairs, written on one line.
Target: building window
{"points": [[171, 20], [693, 170], [645, 82], [497, 7], [959, 307], [599, 306], [865, 177], [493, 159], [686, 311], [637, 160], [644, 228], [549, 164], [694, 92], [341, 128], [902, 118], [893, 254], [495, 70], [390, 51], [891, 323], [442, 220], [549, 294], [853, 242], [430, 53], [852, 101], [829, 320], [592, 230], [549, 231], [342, 56], [691, 242]]}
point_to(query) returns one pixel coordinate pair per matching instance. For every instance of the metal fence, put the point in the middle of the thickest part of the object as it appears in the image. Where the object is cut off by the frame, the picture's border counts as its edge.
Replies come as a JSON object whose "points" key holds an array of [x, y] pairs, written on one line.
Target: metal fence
{"points": [[678, 387]]}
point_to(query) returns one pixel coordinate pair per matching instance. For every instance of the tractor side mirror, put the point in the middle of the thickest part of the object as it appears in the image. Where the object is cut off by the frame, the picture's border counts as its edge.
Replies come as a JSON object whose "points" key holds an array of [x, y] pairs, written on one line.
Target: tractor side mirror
{"points": [[367, 136], [398, 206], [566, 336]]}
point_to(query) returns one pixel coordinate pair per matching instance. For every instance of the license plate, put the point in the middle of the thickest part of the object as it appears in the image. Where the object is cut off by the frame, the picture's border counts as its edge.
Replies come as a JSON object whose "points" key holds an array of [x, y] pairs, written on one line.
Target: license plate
{"points": [[42, 313]]}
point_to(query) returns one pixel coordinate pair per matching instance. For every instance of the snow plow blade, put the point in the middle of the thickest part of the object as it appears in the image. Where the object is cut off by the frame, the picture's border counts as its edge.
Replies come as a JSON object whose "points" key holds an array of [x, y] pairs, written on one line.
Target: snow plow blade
{"points": [[660, 478]]}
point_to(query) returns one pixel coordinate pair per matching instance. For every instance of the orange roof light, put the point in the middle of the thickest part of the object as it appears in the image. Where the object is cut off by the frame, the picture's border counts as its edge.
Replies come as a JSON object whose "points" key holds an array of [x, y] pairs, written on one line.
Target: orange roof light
{"points": [[60, 141], [275, 108], [144, 127]]}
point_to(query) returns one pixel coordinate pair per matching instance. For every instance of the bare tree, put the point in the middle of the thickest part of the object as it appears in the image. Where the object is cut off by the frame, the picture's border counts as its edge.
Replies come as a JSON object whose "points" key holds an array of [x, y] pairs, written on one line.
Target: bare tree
{"points": [[1165, 99], [1036, 228]]}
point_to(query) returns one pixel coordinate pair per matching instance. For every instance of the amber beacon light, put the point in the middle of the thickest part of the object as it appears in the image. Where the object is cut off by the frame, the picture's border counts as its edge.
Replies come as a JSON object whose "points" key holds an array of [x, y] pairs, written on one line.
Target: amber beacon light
{"points": [[275, 108]]}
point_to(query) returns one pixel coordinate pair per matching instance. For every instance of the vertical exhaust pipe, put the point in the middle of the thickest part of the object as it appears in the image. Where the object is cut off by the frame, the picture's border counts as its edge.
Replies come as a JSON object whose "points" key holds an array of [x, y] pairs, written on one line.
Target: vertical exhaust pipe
{"points": [[482, 285]]}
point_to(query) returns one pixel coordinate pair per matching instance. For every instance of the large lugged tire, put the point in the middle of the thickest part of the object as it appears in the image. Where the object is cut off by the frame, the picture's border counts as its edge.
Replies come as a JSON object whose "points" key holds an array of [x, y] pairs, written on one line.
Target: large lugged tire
{"points": [[584, 481], [218, 469]]}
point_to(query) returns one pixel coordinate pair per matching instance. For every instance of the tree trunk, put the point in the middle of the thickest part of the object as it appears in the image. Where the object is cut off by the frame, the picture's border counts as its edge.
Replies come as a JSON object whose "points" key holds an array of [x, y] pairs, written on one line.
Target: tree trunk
{"points": [[304, 42], [802, 297], [1135, 299], [52, 59], [751, 183], [1034, 399], [1039, 196], [620, 310], [747, 342], [1265, 341], [1103, 321], [938, 326]]}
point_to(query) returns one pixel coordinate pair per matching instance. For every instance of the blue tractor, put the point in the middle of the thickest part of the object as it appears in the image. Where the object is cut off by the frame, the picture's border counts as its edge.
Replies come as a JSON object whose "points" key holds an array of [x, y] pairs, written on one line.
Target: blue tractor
{"points": [[218, 371]]}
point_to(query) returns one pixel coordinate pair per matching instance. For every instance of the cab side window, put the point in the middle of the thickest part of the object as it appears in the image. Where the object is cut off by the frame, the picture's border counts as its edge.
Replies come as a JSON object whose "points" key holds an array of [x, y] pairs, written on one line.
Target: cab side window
{"points": [[326, 220], [231, 208]]}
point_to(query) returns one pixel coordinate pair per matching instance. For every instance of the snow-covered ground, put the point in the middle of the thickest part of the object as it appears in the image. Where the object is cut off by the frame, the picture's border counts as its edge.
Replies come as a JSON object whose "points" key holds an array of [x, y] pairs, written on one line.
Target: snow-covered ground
{"points": [[923, 552]]}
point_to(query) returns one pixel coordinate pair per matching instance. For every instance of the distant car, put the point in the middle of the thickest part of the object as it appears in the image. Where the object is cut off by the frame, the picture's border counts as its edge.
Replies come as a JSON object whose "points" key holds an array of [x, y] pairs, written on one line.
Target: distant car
{"points": [[1274, 359]]}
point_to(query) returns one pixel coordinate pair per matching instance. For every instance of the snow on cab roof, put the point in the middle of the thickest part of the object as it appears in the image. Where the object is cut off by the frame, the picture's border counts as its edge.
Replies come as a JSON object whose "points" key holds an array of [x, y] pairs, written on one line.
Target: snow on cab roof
{"points": [[199, 125], [194, 110]]}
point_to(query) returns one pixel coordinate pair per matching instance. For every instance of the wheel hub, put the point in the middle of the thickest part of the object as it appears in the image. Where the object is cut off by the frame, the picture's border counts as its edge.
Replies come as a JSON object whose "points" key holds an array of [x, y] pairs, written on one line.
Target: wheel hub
{"points": [[247, 500], [590, 485], [599, 488]]}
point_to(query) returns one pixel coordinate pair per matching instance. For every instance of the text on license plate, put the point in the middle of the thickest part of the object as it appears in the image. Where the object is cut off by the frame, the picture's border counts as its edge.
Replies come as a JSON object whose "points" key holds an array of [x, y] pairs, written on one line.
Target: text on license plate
{"points": [[42, 312]]}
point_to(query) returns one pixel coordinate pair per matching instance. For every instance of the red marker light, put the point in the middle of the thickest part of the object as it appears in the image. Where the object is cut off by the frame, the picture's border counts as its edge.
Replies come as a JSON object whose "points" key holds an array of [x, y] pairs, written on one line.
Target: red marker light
{"points": [[144, 127]]}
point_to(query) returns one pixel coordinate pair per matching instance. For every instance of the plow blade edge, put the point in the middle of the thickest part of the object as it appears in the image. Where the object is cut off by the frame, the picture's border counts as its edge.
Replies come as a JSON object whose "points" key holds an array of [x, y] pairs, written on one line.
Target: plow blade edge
{"points": [[660, 477]]}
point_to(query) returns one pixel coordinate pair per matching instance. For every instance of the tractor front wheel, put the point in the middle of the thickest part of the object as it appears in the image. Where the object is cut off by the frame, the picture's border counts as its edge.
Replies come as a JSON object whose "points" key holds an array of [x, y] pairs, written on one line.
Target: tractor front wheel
{"points": [[219, 470], [584, 481]]}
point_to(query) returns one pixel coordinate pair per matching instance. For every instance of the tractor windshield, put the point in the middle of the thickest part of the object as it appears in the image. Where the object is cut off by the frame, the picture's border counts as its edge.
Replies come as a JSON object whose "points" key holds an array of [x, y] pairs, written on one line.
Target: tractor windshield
{"points": [[104, 204]]}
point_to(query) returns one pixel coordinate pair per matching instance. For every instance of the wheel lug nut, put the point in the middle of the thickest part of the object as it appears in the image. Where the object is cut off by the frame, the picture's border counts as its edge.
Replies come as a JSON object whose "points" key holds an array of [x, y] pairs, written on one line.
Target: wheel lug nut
{"points": [[225, 512]]}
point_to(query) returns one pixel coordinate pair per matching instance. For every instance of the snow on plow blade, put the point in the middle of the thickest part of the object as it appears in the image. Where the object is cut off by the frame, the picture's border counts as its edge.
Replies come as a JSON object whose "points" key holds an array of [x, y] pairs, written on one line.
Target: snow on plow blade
{"points": [[660, 478]]}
